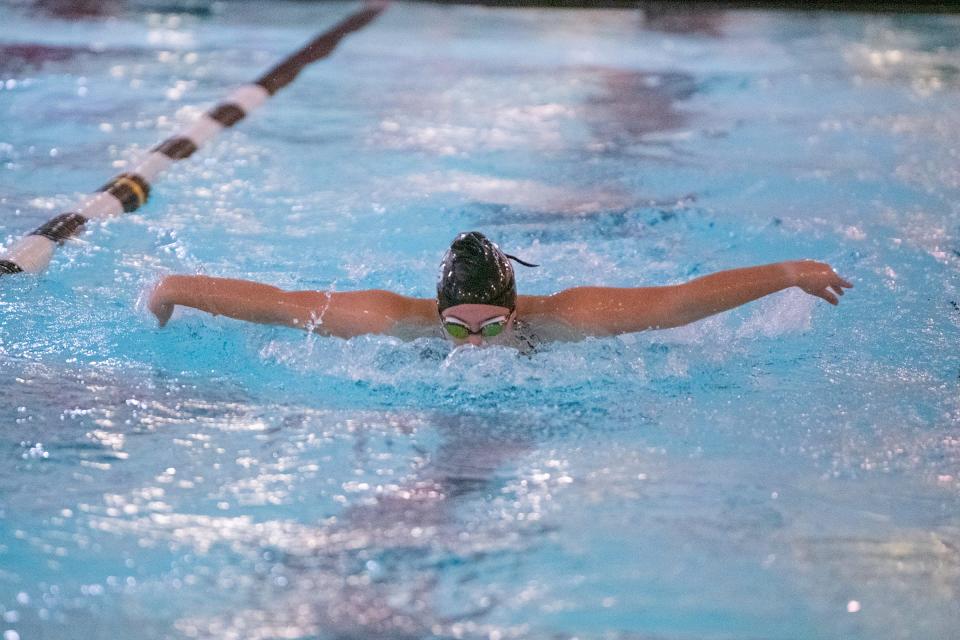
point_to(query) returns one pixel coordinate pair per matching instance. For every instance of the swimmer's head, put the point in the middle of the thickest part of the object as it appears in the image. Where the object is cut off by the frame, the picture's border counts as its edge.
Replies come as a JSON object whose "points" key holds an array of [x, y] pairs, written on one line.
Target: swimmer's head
{"points": [[475, 271]]}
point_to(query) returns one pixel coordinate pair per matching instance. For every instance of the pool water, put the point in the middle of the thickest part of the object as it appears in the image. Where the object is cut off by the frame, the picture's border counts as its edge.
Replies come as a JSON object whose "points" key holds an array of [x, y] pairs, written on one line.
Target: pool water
{"points": [[785, 470]]}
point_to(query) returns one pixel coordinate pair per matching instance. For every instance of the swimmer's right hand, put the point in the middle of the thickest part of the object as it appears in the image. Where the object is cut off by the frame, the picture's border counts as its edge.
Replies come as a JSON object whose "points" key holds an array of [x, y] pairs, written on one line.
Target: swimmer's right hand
{"points": [[159, 303]]}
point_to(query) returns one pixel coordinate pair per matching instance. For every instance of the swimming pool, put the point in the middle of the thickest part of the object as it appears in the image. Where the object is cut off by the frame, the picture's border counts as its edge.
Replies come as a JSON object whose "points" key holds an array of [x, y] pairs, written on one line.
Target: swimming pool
{"points": [[787, 470]]}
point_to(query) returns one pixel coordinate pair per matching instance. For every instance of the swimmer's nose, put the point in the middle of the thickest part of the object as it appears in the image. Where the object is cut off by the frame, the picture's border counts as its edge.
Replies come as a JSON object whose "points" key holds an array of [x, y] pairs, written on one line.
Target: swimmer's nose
{"points": [[475, 340]]}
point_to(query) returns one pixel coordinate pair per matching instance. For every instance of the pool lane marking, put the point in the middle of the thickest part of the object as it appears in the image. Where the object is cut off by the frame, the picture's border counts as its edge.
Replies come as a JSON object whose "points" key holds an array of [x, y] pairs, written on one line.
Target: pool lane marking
{"points": [[9, 267], [130, 190]]}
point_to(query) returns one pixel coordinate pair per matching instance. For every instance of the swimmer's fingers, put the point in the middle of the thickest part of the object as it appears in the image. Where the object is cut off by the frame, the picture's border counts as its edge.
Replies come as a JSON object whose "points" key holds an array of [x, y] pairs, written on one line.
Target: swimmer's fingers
{"points": [[838, 284], [826, 295], [159, 307], [163, 313]]}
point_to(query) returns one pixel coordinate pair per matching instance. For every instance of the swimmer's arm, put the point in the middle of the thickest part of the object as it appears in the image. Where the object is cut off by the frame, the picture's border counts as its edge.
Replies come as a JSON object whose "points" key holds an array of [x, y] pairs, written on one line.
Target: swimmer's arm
{"points": [[611, 310], [343, 314]]}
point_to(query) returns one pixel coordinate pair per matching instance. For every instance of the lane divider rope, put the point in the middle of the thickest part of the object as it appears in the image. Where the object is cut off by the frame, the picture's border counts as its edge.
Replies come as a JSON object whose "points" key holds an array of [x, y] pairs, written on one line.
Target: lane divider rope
{"points": [[130, 190]]}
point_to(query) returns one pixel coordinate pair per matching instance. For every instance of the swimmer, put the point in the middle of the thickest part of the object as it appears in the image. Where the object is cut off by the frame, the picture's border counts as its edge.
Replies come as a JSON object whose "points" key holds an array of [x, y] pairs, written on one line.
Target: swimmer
{"points": [[477, 301]]}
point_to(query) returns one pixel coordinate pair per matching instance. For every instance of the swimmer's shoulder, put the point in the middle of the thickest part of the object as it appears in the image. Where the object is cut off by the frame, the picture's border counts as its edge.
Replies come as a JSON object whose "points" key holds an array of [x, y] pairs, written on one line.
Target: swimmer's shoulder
{"points": [[413, 317], [352, 313], [541, 316], [418, 310], [530, 306]]}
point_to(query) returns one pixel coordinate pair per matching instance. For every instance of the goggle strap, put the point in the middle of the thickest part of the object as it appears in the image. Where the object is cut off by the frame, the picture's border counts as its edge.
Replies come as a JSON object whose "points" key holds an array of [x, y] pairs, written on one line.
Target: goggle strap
{"points": [[523, 262]]}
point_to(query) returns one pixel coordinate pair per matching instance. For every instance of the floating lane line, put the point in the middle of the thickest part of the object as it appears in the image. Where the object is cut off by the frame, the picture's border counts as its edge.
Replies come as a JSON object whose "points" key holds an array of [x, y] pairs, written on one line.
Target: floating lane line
{"points": [[130, 190]]}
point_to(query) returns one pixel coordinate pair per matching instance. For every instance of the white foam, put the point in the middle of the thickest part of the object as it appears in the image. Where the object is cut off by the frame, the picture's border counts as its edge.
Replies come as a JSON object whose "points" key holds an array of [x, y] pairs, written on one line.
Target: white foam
{"points": [[788, 312], [530, 195]]}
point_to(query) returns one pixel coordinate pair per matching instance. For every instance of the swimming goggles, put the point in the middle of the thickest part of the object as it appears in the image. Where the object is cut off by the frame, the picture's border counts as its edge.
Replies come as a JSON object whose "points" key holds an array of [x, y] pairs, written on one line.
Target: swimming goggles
{"points": [[488, 329]]}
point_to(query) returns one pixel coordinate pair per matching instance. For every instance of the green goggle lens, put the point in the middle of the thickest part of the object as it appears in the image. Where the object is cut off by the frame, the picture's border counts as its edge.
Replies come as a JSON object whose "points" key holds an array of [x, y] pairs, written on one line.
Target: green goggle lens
{"points": [[457, 331], [493, 329], [461, 332]]}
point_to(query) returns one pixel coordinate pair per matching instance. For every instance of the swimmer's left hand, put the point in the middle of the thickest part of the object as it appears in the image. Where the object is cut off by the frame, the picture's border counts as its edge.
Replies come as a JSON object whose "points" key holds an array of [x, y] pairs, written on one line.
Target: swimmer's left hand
{"points": [[818, 279], [159, 305]]}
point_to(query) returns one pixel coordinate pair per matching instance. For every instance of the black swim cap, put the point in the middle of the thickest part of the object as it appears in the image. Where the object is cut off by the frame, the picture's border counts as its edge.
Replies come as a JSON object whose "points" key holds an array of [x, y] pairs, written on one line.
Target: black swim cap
{"points": [[475, 271]]}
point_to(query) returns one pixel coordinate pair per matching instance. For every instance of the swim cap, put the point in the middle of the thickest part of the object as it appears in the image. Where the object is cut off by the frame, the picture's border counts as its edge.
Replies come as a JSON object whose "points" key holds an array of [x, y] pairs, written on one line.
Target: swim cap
{"points": [[475, 271]]}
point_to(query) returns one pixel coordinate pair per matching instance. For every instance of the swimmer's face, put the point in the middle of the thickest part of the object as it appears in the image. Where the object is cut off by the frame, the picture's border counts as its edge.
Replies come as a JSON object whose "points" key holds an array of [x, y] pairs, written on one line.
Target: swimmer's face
{"points": [[477, 324]]}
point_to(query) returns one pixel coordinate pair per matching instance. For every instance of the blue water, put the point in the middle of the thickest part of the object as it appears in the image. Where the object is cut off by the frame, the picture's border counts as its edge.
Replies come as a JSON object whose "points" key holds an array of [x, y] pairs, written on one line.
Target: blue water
{"points": [[787, 470]]}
